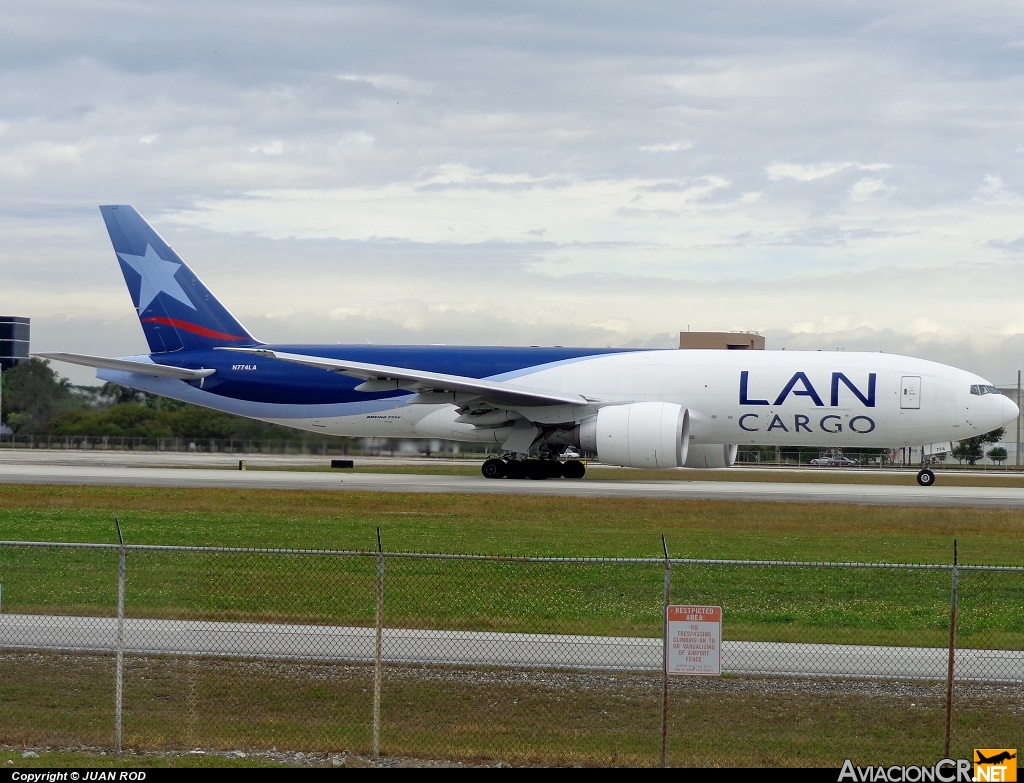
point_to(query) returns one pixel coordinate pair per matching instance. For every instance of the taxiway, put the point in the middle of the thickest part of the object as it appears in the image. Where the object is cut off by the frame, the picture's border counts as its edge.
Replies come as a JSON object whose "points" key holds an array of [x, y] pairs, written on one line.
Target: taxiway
{"points": [[467, 648], [168, 469]]}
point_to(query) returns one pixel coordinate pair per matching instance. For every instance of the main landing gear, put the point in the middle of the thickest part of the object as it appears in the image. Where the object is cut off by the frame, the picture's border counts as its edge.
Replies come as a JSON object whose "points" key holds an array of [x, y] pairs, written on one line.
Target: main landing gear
{"points": [[925, 477], [536, 469]]}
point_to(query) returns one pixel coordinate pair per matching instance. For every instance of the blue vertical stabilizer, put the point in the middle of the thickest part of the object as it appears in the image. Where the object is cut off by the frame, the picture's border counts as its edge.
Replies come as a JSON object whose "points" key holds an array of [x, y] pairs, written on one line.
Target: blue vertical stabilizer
{"points": [[176, 310]]}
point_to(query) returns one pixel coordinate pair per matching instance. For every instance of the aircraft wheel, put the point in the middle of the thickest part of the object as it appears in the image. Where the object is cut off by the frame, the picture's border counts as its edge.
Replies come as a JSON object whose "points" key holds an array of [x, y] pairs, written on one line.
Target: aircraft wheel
{"points": [[553, 468], [536, 469], [514, 469], [493, 468], [926, 478], [574, 469]]}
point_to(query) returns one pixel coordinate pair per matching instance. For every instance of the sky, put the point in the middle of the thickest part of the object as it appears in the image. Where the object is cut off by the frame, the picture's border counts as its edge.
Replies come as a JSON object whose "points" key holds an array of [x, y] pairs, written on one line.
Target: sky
{"points": [[835, 176]]}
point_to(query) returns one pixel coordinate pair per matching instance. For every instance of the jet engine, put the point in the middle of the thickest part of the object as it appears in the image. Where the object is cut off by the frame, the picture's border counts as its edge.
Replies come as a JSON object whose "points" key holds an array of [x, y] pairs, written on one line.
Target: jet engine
{"points": [[638, 435], [711, 455]]}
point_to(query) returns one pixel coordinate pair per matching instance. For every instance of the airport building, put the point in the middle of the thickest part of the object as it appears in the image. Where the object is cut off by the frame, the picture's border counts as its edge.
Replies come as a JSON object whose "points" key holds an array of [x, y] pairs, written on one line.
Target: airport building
{"points": [[1014, 433], [14, 335], [727, 341], [13, 349]]}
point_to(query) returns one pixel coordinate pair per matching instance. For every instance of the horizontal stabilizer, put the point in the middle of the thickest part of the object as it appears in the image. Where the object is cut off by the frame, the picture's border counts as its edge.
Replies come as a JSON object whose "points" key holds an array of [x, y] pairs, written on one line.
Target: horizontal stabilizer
{"points": [[127, 365]]}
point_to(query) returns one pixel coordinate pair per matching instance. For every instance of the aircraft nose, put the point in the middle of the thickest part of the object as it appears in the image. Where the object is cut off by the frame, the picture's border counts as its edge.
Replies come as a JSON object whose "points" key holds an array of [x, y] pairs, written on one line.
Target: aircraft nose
{"points": [[1010, 410]]}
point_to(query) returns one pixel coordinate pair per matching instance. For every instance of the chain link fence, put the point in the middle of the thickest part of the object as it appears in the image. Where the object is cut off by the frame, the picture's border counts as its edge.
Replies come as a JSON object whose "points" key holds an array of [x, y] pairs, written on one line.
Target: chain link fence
{"points": [[553, 661]]}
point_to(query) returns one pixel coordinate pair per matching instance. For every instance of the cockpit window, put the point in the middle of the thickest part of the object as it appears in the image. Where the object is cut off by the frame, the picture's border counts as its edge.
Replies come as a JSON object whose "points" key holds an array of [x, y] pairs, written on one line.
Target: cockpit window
{"points": [[982, 388], [975, 389]]}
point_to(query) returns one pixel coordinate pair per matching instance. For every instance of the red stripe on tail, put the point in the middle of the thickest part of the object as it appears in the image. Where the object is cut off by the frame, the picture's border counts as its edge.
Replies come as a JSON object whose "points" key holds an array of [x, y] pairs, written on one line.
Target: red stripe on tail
{"points": [[193, 328]]}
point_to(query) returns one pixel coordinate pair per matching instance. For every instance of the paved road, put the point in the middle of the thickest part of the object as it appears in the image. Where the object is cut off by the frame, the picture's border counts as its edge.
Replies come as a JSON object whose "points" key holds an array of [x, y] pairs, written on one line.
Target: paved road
{"points": [[462, 648], [199, 470]]}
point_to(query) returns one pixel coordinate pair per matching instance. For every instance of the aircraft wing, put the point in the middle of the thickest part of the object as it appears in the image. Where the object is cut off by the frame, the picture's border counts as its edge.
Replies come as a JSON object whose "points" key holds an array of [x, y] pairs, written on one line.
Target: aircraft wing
{"points": [[378, 377], [127, 365]]}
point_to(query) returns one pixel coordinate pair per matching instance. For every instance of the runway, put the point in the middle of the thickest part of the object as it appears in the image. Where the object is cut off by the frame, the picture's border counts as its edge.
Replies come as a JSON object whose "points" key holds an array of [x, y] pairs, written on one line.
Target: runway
{"points": [[165, 469], [464, 648]]}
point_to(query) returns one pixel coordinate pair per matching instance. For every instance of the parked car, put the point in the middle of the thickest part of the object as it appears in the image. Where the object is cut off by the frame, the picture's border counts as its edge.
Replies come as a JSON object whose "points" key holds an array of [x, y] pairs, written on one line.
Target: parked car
{"points": [[838, 461], [841, 462]]}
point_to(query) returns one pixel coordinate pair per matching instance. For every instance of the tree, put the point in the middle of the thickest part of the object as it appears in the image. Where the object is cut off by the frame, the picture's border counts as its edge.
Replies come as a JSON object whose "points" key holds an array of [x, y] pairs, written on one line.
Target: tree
{"points": [[972, 449], [998, 454], [118, 394], [33, 394]]}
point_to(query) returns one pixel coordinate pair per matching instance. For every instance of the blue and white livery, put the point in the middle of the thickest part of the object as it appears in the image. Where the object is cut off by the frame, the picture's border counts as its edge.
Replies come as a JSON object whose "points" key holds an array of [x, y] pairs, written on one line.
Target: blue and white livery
{"points": [[637, 408]]}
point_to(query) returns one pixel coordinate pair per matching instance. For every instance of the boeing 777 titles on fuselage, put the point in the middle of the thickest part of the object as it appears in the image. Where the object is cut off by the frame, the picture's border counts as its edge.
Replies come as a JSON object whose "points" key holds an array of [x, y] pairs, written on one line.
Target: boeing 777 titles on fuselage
{"points": [[649, 408]]}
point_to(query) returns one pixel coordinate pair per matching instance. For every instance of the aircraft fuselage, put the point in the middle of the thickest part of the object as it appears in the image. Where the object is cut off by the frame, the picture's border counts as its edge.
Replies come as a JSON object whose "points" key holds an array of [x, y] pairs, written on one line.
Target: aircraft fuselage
{"points": [[751, 397]]}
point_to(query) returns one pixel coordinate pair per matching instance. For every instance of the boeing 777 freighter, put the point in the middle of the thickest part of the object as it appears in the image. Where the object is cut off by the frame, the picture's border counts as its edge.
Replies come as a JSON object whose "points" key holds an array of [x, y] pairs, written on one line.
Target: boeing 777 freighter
{"points": [[635, 408]]}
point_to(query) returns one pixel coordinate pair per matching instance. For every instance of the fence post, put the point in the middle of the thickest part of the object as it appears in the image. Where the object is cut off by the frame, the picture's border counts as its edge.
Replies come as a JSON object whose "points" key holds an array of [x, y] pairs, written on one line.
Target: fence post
{"points": [[664, 650], [119, 677], [377, 654], [952, 649]]}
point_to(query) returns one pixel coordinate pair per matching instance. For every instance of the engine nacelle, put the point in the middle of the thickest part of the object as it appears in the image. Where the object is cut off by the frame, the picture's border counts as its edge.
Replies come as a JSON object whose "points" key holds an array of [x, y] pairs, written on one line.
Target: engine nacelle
{"points": [[711, 455], [638, 435]]}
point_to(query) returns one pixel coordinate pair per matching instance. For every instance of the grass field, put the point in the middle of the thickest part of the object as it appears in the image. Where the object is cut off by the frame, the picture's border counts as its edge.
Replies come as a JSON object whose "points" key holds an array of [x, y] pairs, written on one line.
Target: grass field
{"points": [[893, 607], [479, 717], [512, 525], [545, 720]]}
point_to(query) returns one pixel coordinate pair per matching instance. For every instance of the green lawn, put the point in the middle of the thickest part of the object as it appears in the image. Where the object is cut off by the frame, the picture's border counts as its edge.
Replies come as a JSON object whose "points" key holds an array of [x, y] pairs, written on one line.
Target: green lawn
{"points": [[527, 718], [806, 603]]}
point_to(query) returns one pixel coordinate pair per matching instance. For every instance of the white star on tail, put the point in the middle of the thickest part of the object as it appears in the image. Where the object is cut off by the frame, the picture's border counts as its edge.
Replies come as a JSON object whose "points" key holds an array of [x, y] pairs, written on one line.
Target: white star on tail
{"points": [[157, 276]]}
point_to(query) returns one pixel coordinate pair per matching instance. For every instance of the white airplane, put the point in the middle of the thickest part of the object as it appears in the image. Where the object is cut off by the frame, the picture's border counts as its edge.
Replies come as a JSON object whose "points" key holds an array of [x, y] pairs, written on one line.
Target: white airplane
{"points": [[634, 408]]}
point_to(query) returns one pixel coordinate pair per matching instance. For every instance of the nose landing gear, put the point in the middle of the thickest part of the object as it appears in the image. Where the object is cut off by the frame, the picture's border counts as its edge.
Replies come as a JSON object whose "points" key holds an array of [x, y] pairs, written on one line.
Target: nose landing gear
{"points": [[925, 477]]}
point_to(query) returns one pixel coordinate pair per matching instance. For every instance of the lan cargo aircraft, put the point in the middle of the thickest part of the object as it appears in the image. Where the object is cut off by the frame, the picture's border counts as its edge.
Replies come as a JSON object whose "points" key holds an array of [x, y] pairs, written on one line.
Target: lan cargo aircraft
{"points": [[635, 408]]}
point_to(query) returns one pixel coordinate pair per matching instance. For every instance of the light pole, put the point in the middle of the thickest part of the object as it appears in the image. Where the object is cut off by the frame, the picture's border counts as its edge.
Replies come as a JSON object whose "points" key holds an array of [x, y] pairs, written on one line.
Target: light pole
{"points": [[1018, 401]]}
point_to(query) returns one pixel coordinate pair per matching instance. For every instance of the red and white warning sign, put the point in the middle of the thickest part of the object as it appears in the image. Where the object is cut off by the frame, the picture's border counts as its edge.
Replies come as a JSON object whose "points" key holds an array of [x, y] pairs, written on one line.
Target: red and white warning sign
{"points": [[694, 640]]}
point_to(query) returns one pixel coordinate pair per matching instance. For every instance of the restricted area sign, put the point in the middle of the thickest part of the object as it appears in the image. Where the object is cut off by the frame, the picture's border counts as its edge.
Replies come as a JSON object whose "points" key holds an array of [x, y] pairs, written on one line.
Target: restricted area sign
{"points": [[694, 640]]}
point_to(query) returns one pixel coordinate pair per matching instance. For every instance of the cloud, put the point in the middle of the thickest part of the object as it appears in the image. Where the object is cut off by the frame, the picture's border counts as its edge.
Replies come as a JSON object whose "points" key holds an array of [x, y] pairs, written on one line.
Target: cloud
{"points": [[389, 83], [674, 146], [811, 172], [837, 175]]}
